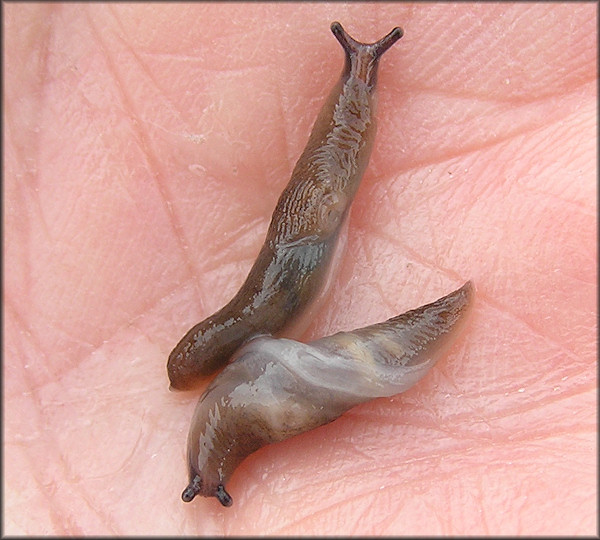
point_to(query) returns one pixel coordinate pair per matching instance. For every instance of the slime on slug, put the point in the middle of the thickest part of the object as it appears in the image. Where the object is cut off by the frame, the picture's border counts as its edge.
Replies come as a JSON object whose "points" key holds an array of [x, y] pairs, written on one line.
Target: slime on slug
{"points": [[277, 388], [296, 260]]}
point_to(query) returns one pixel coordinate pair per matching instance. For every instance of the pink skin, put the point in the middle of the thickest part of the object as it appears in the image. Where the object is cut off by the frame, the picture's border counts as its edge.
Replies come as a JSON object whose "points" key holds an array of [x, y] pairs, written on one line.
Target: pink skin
{"points": [[145, 147]]}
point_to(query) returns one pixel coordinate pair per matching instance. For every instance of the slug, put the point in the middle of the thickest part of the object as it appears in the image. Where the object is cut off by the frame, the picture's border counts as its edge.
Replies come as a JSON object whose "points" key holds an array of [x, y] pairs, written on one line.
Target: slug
{"points": [[293, 268], [276, 388]]}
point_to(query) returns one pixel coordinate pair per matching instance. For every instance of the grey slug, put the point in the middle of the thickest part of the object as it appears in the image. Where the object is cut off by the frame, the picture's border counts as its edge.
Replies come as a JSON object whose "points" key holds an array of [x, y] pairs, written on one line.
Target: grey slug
{"points": [[276, 388], [293, 267]]}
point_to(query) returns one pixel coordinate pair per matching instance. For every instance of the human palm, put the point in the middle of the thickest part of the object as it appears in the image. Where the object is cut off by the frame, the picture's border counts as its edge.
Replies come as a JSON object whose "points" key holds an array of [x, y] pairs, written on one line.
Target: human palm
{"points": [[145, 148]]}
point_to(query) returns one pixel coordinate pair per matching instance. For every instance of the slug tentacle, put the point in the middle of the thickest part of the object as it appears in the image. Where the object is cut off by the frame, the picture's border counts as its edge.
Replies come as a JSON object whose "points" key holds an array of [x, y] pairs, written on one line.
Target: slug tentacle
{"points": [[277, 388], [295, 263], [362, 58]]}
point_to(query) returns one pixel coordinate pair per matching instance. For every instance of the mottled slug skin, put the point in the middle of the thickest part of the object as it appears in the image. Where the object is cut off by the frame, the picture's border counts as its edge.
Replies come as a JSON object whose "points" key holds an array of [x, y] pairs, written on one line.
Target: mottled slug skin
{"points": [[294, 262], [277, 388]]}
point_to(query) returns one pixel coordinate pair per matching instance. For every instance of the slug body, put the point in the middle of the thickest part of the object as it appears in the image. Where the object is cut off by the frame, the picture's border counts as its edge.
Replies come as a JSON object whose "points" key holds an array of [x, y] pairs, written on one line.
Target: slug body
{"points": [[277, 388], [294, 263]]}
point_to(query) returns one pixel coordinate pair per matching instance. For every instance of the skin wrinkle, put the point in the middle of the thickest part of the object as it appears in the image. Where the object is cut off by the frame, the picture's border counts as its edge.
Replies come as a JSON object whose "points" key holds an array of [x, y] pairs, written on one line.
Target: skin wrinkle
{"points": [[516, 409], [289, 149], [196, 58], [482, 512], [169, 103], [184, 58], [31, 337], [481, 297], [252, 474], [26, 187], [442, 71], [246, 251], [24, 260], [479, 147], [151, 158], [30, 189], [517, 317], [50, 442], [327, 511], [504, 438], [94, 506], [244, 71], [437, 477], [65, 331], [80, 487], [556, 198], [251, 222], [43, 51], [496, 101], [415, 257], [386, 468], [385, 520], [77, 340], [262, 210], [46, 493]]}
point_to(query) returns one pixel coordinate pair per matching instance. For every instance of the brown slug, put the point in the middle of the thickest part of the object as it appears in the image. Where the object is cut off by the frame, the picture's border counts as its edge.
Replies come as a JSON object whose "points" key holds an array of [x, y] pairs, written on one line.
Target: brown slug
{"points": [[293, 267], [276, 388]]}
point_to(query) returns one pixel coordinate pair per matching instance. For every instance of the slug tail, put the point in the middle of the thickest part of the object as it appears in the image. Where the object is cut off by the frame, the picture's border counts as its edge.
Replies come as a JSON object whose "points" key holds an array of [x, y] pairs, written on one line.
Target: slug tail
{"points": [[421, 333], [437, 318], [440, 317], [406, 347]]}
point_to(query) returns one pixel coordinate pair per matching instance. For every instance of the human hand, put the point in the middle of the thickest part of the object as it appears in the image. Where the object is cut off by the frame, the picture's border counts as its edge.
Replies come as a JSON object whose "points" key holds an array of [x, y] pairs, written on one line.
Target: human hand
{"points": [[146, 146]]}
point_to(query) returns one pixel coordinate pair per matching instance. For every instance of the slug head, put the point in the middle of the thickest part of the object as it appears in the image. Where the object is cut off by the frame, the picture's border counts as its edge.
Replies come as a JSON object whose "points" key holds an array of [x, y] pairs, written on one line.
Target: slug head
{"points": [[195, 488], [362, 59], [253, 402], [227, 426]]}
